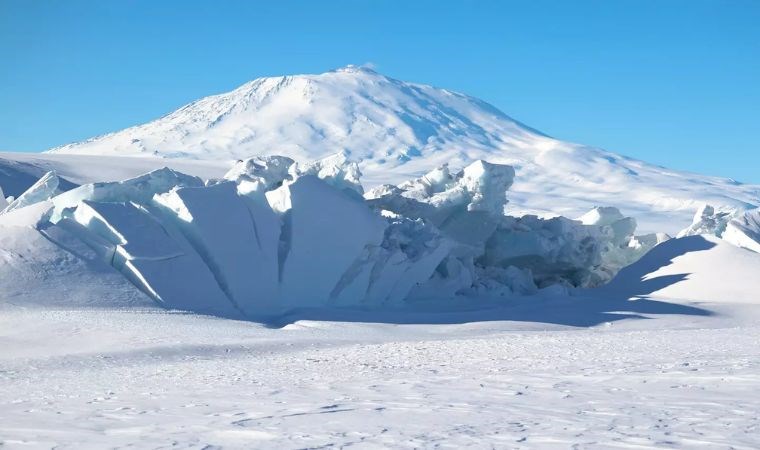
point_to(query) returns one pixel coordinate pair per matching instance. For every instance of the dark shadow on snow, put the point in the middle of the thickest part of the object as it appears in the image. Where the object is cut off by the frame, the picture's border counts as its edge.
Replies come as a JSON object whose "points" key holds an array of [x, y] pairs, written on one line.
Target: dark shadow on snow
{"points": [[568, 311], [626, 297]]}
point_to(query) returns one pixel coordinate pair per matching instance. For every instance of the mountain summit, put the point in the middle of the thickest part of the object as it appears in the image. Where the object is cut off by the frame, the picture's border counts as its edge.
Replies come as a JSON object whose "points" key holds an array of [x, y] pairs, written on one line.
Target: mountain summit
{"points": [[384, 121], [399, 129]]}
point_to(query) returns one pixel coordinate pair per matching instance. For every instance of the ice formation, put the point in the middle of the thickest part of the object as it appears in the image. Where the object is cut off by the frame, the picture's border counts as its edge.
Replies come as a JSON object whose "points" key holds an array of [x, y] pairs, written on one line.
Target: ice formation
{"points": [[708, 221], [44, 189], [275, 234], [740, 228], [3, 201], [261, 173], [744, 230]]}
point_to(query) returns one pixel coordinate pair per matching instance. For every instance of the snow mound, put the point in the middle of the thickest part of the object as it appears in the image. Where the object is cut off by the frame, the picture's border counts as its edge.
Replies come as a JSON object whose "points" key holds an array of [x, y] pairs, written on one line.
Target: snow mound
{"points": [[50, 267], [155, 260], [692, 268], [262, 172], [139, 189]]}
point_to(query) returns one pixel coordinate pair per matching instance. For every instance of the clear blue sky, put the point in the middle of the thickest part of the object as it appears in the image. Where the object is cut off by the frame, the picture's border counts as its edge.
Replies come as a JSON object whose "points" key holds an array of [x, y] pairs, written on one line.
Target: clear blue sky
{"points": [[672, 82]]}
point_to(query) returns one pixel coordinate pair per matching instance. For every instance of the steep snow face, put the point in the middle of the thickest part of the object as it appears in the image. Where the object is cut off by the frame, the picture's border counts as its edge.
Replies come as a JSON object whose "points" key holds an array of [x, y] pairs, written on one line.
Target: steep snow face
{"points": [[401, 130]]}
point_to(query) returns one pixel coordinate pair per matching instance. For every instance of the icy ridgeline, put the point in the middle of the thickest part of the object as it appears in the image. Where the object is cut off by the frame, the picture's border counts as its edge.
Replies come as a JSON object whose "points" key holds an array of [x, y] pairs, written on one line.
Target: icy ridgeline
{"points": [[275, 234], [740, 228]]}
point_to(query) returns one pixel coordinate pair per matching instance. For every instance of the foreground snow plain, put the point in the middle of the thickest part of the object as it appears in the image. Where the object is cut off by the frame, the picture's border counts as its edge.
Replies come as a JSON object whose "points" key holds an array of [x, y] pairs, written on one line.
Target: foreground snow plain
{"points": [[673, 378], [624, 366]]}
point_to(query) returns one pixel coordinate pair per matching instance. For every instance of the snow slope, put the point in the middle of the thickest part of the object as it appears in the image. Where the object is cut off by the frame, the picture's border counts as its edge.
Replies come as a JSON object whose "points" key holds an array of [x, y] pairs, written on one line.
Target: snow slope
{"points": [[19, 171], [51, 269], [693, 268], [400, 130]]}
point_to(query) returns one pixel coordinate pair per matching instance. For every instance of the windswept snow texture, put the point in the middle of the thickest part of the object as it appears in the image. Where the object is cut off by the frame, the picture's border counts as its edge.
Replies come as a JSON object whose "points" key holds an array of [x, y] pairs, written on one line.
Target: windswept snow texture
{"points": [[400, 130], [502, 378]]}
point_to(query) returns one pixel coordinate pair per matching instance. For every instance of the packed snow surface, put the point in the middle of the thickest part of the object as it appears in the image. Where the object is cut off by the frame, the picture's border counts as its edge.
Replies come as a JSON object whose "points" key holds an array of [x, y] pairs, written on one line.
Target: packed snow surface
{"points": [[400, 130], [89, 380]]}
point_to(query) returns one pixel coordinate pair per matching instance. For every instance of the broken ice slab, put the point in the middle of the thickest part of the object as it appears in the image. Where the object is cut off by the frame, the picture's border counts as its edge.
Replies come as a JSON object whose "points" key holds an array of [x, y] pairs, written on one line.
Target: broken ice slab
{"points": [[324, 231], [153, 259], [44, 189], [238, 241]]}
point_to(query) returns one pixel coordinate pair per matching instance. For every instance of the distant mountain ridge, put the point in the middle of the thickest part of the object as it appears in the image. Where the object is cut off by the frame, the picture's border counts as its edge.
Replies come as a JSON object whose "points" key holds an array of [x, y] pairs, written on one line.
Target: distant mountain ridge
{"points": [[399, 130]]}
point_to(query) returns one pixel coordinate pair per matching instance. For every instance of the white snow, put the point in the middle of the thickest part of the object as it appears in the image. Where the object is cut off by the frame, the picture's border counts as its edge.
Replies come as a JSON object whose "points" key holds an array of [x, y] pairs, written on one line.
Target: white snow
{"points": [[158, 262], [506, 378], [397, 130], [324, 231], [693, 268], [50, 268], [415, 315], [708, 221]]}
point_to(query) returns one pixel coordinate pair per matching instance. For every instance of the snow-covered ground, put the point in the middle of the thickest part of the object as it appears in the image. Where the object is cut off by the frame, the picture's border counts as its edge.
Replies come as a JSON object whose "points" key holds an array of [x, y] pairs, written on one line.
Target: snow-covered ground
{"points": [[407, 316], [624, 367], [117, 379]]}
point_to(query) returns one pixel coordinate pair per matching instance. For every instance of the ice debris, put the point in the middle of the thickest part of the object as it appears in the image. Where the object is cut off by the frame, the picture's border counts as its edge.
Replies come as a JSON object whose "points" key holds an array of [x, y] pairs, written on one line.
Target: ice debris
{"points": [[44, 189], [275, 235], [708, 221], [744, 230]]}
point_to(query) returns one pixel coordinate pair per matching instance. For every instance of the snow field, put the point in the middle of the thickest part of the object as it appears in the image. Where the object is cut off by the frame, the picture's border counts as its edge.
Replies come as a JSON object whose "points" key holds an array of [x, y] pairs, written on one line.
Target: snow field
{"points": [[87, 379]]}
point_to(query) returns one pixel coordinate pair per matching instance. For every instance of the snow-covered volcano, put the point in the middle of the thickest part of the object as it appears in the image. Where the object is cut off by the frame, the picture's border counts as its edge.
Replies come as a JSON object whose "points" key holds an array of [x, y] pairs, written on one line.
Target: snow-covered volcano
{"points": [[401, 130], [384, 121]]}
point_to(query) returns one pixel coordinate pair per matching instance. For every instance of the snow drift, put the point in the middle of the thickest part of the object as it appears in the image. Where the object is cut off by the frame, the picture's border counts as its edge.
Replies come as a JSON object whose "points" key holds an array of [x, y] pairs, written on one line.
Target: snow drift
{"points": [[697, 268], [274, 234]]}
